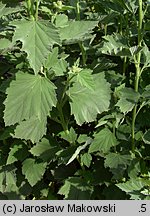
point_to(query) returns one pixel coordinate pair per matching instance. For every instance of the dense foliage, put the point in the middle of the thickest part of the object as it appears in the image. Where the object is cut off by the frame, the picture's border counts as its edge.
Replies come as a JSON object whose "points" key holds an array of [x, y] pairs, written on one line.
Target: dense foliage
{"points": [[75, 99]]}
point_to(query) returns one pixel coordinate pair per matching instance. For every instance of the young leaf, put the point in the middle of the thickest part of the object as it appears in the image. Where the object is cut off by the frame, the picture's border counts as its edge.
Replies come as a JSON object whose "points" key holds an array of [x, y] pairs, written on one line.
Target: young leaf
{"points": [[33, 170], [55, 64], [29, 96], [86, 159], [86, 103], [37, 38], [103, 141], [52, 58], [70, 137]]}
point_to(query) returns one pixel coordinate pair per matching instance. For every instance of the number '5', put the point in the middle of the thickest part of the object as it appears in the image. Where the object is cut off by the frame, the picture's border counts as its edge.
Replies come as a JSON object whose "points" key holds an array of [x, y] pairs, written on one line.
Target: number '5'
{"points": [[143, 207]]}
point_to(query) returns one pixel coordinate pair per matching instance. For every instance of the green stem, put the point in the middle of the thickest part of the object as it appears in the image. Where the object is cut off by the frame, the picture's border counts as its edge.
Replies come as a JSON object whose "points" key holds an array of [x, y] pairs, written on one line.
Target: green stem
{"points": [[30, 9], [36, 10], [114, 132], [78, 10], [124, 65], [65, 89], [120, 30], [134, 114], [140, 23], [61, 104], [137, 60], [84, 55], [62, 119]]}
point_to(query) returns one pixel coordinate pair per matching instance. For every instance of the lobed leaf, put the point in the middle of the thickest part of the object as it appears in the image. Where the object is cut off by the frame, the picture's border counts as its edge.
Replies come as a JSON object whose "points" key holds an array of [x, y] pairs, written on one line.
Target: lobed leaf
{"points": [[128, 99], [32, 129], [86, 159], [33, 170], [146, 137], [37, 38], [86, 103], [131, 185], [103, 141], [115, 45], [76, 30], [29, 96], [113, 160], [44, 149]]}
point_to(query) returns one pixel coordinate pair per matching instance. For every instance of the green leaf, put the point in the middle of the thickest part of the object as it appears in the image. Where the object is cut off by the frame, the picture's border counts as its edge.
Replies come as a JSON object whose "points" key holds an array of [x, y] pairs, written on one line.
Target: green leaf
{"points": [[40, 147], [113, 160], [76, 188], [29, 96], [32, 129], [146, 137], [4, 11], [5, 43], [55, 64], [115, 45], [76, 30], [82, 138], [128, 99], [78, 150], [61, 20], [86, 159], [71, 136], [33, 170], [52, 58], [6, 133], [85, 78], [45, 150], [8, 181], [37, 38], [60, 67], [64, 190], [146, 56], [135, 184], [86, 103], [17, 152], [103, 141]]}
